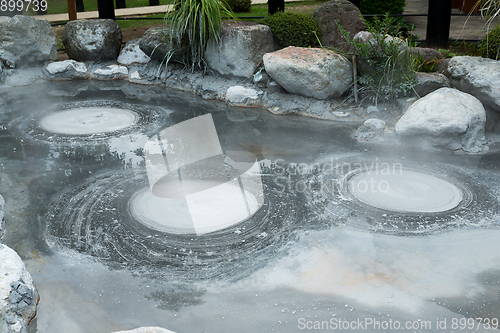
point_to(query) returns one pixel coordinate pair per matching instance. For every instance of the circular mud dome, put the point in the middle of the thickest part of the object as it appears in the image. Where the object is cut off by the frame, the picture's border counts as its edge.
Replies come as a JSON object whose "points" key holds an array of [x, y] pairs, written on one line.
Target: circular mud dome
{"points": [[115, 218], [88, 120], [78, 124], [405, 191], [222, 208], [401, 199]]}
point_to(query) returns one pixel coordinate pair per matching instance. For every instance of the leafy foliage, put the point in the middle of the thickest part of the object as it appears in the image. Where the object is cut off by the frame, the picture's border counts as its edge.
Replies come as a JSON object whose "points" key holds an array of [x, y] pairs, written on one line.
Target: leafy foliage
{"points": [[490, 44], [386, 68], [193, 24], [240, 6], [293, 29]]}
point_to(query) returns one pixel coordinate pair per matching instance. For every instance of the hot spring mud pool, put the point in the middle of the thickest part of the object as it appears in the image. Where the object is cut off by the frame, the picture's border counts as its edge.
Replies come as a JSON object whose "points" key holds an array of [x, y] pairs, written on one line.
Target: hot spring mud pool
{"points": [[340, 235]]}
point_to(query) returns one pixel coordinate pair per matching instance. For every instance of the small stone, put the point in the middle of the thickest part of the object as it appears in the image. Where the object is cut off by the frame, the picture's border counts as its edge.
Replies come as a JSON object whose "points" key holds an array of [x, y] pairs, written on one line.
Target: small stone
{"points": [[239, 95], [372, 108], [112, 72]]}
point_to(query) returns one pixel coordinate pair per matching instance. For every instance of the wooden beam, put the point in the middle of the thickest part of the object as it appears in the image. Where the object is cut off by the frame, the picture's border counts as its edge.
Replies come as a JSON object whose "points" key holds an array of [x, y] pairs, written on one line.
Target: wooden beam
{"points": [[72, 10]]}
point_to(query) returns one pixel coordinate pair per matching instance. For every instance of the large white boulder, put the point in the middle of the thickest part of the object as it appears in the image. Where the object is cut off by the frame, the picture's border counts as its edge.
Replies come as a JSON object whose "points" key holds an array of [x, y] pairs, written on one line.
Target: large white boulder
{"points": [[446, 117], [311, 72], [25, 41], [240, 49], [18, 295], [92, 40], [477, 76]]}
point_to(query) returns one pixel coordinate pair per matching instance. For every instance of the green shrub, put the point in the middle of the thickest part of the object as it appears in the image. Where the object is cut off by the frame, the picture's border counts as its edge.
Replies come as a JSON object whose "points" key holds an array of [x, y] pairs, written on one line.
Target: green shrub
{"points": [[382, 6], [490, 44], [293, 29], [240, 6]]}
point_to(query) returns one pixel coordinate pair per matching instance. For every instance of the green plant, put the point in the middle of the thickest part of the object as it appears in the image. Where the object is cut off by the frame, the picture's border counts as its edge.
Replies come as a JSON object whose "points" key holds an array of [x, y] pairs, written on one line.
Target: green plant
{"points": [[386, 68], [447, 53], [490, 44], [193, 23], [382, 6], [293, 29], [427, 66], [240, 6]]}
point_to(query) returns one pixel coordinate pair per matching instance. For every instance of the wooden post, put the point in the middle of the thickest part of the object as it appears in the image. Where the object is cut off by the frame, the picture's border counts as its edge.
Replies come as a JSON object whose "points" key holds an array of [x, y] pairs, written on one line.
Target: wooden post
{"points": [[72, 10], [274, 6], [106, 9], [438, 23], [120, 4], [79, 6]]}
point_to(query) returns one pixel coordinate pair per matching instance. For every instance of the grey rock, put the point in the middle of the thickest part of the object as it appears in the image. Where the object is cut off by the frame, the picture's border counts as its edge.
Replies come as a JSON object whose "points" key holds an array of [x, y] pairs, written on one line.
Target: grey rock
{"points": [[429, 82], [67, 70], [18, 294], [477, 76], [132, 54], [345, 13], [442, 67], [111, 72], [154, 43], [147, 330], [26, 41], [240, 49], [92, 40], [427, 54], [240, 96], [448, 118], [2, 222], [371, 130], [312, 72], [3, 319]]}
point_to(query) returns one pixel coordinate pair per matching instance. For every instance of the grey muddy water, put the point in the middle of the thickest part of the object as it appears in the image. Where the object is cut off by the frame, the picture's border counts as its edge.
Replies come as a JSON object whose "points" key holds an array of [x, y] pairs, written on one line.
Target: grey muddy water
{"points": [[349, 236]]}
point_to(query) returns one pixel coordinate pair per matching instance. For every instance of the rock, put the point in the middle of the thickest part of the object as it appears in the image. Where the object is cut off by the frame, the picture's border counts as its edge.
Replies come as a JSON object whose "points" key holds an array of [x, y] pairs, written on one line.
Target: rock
{"points": [[372, 129], [429, 82], [240, 96], [427, 54], [154, 43], [92, 40], [111, 72], [477, 76], [2, 222], [345, 13], [442, 67], [447, 118], [26, 41], [241, 48], [368, 38], [310, 72], [67, 70], [147, 330], [132, 54], [18, 295]]}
